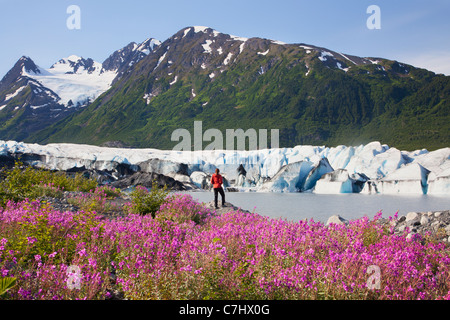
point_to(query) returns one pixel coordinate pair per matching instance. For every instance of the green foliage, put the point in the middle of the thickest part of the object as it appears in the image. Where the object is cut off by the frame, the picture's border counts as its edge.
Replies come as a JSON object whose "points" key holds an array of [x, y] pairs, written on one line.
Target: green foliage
{"points": [[147, 202], [182, 209], [96, 200], [6, 283], [371, 235], [110, 192], [92, 202], [20, 183], [37, 236], [33, 237]]}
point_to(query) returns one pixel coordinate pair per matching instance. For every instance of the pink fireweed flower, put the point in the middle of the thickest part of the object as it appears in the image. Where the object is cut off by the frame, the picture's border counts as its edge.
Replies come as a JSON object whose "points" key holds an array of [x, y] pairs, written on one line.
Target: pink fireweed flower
{"points": [[3, 243], [198, 271], [280, 259], [92, 262]]}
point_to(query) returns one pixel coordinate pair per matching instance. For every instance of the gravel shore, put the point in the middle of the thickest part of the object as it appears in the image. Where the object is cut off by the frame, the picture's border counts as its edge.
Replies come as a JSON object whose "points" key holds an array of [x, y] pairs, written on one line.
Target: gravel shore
{"points": [[432, 224]]}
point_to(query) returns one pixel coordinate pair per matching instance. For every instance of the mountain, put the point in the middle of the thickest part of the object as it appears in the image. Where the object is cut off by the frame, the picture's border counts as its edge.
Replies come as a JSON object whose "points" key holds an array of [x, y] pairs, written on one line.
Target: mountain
{"points": [[122, 60], [76, 80], [311, 94], [26, 105], [32, 98]]}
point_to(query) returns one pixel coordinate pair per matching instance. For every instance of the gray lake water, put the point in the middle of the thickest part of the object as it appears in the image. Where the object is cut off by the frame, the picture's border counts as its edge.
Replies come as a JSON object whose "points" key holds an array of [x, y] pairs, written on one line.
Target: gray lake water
{"points": [[299, 206]]}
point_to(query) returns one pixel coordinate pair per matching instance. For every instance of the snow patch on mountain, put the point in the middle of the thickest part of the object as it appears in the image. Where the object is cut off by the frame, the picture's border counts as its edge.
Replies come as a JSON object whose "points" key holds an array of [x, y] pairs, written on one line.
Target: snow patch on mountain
{"points": [[148, 45], [309, 70], [307, 48], [186, 31], [198, 29], [347, 58], [339, 65], [228, 59], [238, 38], [15, 93], [241, 47], [174, 81], [324, 55], [161, 59], [207, 46], [242, 39]]}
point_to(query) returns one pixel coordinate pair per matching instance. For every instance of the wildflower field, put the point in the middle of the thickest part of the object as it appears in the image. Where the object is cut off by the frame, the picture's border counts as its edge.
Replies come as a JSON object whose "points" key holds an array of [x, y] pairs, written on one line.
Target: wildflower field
{"points": [[182, 250]]}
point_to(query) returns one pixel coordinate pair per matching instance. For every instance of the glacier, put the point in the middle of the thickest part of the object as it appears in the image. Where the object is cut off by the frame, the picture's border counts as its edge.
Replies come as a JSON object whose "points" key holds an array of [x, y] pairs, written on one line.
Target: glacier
{"points": [[72, 84], [371, 168]]}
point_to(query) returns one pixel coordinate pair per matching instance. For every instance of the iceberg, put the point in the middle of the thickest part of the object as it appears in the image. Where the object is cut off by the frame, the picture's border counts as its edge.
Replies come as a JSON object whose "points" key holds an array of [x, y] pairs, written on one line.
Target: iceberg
{"points": [[200, 179], [290, 178], [340, 181], [439, 184], [410, 179], [316, 173], [375, 160]]}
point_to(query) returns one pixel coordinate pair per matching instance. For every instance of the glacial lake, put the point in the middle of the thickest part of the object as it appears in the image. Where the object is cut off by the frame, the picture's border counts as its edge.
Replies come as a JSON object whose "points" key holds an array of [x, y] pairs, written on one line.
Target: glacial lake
{"points": [[299, 206]]}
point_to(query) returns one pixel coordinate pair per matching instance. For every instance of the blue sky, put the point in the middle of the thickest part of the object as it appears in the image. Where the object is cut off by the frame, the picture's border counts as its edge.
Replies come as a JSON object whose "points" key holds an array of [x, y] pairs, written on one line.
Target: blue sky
{"points": [[412, 31]]}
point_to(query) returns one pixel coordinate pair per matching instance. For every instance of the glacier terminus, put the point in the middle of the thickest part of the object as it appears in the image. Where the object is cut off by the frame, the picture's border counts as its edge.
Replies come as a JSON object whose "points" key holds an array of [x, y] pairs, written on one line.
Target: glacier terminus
{"points": [[371, 168]]}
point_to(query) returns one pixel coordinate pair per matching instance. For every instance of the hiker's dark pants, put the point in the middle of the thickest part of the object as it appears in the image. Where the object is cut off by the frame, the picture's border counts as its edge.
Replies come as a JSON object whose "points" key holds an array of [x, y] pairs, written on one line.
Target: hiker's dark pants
{"points": [[216, 195]]}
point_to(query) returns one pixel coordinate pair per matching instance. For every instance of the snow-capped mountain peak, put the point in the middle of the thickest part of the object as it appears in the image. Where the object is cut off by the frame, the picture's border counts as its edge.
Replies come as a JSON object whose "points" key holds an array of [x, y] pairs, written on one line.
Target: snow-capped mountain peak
{"points": [[123, 59], [130, 54], [28, 67], [76, 65], [72, 81], [77, 81], [148, 45]]}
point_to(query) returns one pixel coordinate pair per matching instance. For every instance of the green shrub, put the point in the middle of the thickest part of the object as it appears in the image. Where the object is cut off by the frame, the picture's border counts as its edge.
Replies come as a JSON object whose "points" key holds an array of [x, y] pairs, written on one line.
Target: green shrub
{"points": [[20, 183], [46, 190], [6, 283], [96, 200], [147, 202], [110, 192], [40, 234]]}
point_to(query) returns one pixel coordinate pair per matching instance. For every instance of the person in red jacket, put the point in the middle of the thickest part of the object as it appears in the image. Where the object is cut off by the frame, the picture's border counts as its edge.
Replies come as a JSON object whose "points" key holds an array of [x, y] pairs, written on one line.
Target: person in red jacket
{"points": [[217, 181]]}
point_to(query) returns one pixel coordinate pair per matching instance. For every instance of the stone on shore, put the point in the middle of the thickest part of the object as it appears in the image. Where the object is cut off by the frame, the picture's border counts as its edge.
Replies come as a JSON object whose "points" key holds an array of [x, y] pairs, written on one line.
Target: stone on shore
{"points": [[424, 220], [411, 216], [223, 209], [429, 224], [447, 230], [336, 219]]}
